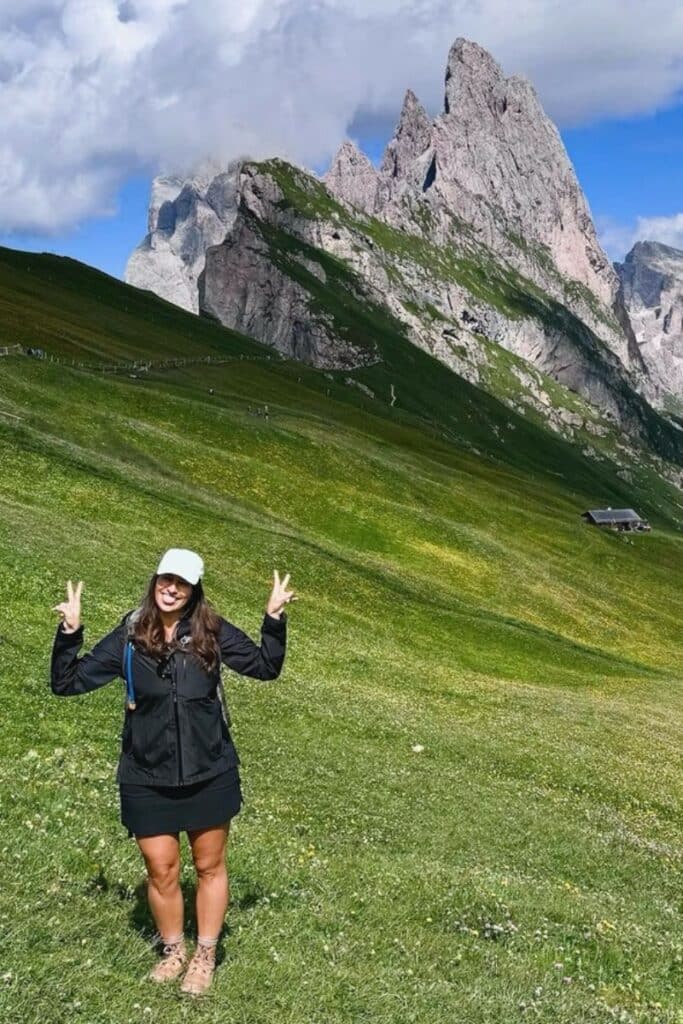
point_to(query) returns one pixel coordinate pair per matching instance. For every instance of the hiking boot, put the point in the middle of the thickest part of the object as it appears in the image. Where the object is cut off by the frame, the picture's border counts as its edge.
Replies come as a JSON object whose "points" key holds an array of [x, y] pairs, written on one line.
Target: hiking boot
{"points": [[172, 962], [199, 974]]}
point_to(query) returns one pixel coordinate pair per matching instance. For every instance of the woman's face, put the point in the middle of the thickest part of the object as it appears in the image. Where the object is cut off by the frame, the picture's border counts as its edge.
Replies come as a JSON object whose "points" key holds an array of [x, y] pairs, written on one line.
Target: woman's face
{"points": [[171, 593]]}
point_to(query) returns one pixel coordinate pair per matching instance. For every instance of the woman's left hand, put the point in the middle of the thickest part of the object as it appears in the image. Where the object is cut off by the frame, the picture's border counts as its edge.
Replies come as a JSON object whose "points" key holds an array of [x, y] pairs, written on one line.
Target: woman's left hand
{"points": [[280, 596]]}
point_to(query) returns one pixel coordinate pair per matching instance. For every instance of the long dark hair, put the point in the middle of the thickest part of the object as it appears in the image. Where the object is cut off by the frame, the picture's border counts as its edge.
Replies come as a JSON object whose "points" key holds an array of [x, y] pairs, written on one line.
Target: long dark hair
{"points": [[148, 629]]}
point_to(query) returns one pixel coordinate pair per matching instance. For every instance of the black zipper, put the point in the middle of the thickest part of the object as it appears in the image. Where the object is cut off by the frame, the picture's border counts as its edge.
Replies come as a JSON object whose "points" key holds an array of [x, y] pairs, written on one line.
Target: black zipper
{"points": [[174, 691]]}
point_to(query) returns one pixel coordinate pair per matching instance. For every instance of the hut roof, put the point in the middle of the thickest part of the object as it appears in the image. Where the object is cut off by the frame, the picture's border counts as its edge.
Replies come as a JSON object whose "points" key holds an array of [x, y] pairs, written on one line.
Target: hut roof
{"points": [[613, 515]]}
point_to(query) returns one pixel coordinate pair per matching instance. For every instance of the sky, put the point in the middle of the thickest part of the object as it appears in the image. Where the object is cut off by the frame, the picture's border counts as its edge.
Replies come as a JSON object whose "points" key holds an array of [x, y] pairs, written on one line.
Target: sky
{"points": [[98, 96]]}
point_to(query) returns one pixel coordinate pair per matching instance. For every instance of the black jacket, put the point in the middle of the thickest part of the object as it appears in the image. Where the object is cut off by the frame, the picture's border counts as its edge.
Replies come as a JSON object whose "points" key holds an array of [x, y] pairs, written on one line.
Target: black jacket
{"points": [[177, 734]]}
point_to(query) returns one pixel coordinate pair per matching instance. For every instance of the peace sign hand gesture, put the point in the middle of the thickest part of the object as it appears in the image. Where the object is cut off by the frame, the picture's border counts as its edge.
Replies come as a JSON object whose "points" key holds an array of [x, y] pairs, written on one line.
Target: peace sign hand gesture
{"points": [[70, 610], [280, 596]]}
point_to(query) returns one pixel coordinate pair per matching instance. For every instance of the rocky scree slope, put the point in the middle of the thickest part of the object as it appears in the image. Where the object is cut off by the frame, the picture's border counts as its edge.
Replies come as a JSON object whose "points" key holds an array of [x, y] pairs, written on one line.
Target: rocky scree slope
{"points": [[652, 283]]}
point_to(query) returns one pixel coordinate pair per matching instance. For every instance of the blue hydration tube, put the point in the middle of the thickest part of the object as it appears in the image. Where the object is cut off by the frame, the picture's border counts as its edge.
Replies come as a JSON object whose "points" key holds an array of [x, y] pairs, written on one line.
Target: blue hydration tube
{"points": [[130, 689]]}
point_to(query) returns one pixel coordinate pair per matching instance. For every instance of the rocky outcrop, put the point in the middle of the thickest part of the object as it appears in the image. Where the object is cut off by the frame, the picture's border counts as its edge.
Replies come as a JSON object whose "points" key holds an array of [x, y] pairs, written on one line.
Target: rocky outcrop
{"points": [[408, 156], [185, 218], [652, 288], [242, 287], [498, 156], [492, 169], [353, 178]]}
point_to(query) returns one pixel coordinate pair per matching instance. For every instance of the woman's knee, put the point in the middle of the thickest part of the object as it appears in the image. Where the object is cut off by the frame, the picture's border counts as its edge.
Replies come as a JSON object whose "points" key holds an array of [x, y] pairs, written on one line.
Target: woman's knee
{"points": [[208, 852], [210, 867], [164, 875]]}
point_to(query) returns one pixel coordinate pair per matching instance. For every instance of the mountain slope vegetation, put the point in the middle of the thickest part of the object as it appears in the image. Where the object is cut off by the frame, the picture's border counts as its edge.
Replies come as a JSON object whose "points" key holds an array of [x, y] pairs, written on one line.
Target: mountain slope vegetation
{"points": [[465, 789]]}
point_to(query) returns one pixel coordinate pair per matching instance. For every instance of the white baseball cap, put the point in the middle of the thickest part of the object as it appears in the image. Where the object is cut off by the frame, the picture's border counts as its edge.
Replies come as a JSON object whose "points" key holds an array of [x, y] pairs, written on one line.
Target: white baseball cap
{"points": [[181, 562]]}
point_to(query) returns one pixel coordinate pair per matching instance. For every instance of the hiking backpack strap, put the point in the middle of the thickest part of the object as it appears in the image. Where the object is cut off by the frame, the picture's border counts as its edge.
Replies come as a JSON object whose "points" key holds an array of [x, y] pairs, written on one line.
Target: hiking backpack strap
{"points": [[128, 675], [127, 664], [223, 701]]}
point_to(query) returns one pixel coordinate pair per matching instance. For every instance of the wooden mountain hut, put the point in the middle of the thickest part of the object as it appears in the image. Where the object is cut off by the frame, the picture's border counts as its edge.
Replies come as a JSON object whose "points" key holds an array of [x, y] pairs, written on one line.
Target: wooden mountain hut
{"points": [[622, 519]]}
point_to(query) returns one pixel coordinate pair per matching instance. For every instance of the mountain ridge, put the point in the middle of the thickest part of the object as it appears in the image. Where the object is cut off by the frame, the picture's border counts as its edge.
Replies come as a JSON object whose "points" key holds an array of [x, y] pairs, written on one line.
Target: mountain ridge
{"points": [[423, 236]]}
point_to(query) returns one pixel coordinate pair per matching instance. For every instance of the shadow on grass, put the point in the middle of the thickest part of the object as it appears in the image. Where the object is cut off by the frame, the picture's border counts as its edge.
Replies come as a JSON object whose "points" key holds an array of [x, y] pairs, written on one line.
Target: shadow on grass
{"points": [[140, 917]]}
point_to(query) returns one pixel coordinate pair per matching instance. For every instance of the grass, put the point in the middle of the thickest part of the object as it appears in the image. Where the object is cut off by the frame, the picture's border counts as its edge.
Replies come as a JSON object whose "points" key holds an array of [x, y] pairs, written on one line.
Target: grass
{"points": [[80, 313], [525, 864]]}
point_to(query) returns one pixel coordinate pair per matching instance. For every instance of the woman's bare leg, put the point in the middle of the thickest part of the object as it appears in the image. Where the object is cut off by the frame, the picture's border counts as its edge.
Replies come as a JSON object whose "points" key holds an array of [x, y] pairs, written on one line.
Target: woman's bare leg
{"points": [[162, 860], [213, 889], [208, 853]]}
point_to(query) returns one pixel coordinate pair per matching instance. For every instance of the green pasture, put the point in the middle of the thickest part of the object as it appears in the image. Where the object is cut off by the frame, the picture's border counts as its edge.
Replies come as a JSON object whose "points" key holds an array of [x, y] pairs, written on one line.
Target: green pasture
{"points": [[463, 795]]}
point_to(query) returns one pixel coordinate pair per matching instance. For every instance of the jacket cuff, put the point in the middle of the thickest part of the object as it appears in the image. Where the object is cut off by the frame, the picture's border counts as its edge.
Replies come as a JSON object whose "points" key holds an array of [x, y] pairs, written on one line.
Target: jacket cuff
{"points": [[65, 639], [274, 625]]}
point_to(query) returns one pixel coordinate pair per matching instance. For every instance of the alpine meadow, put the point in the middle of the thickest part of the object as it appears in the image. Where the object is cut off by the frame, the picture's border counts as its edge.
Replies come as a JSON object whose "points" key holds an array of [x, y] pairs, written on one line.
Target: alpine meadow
{"points": [[463, 796]]}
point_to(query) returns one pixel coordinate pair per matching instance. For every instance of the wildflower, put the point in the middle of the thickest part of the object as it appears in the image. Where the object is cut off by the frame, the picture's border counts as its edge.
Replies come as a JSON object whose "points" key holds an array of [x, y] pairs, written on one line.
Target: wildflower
{"points": [[417, 748]]}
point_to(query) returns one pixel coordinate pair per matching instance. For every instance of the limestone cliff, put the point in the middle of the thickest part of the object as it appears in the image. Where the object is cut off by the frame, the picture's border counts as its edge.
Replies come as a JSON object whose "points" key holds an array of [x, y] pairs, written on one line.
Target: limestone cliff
{"points": [[266, 277], [185, 217], [652, 284]]}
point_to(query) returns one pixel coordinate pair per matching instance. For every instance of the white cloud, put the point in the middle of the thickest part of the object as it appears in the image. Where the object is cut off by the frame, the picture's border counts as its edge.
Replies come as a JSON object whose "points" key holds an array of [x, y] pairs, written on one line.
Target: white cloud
{"points": [[91, 90], [617, 239], [668, 230]]}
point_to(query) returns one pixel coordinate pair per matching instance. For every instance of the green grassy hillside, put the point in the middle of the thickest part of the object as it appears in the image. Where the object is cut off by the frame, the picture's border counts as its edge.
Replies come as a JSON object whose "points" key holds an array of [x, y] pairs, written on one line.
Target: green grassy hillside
{"points": [[464, 793]]}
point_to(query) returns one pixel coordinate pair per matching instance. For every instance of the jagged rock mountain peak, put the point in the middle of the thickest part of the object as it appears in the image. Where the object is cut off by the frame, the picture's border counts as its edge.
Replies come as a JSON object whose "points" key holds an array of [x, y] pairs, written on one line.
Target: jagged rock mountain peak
{"points": [[470, 69], [655, 249], [647, 270], [414, 124], [499, 157], [652, 288], [494, 162], [352, 177], [473, 76], [654, 252], [412, 140], [348, 155], [413, 110]]}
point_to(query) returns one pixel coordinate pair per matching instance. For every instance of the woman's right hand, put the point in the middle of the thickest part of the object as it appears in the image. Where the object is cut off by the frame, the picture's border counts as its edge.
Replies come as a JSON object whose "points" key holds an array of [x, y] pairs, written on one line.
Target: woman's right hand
{"points": [[70, 610]]}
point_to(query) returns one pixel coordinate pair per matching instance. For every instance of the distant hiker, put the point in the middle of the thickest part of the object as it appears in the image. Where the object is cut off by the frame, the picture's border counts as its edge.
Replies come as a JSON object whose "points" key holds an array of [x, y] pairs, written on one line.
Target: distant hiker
{"points": [[178, 768]]}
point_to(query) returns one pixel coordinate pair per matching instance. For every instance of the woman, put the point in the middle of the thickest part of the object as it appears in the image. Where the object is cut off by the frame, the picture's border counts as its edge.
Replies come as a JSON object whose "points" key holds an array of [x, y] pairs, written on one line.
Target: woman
{"points": [[178, 769]]}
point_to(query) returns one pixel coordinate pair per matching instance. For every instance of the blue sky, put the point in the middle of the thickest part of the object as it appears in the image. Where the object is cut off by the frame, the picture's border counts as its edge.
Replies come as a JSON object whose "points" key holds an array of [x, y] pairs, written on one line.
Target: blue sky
{"points": [[629, 168], [631, 171], [103, 242]]}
